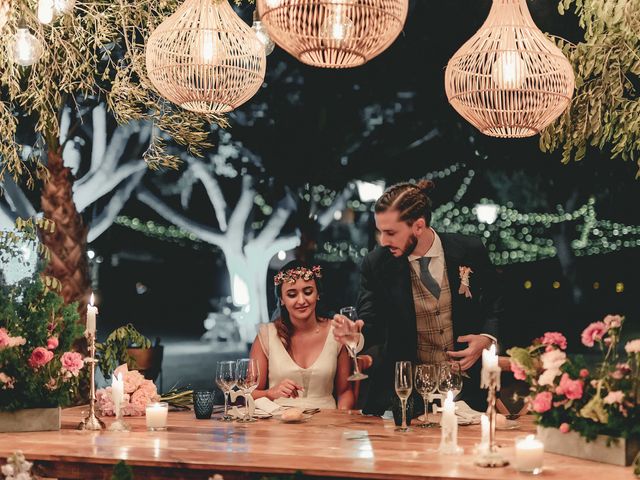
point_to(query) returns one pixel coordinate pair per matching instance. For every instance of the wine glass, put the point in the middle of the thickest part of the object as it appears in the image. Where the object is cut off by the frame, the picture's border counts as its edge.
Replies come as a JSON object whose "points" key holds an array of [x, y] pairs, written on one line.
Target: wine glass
{"points": [[352, 344], [404, 385], [450, 378], [456, 378], [226, 380], [247, 378], [426, 382]]}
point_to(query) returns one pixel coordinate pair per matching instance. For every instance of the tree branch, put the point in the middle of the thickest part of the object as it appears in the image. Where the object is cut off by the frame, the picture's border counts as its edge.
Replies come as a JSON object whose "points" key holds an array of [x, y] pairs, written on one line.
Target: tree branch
{"points": [[213, 191], [201, 231], [85, 195], [16, 199], [243, 207]]}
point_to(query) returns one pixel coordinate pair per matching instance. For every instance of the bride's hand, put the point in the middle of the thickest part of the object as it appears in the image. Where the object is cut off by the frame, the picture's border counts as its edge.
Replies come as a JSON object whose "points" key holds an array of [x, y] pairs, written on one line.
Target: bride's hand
{"points": [[343, 328], [286, 388]]}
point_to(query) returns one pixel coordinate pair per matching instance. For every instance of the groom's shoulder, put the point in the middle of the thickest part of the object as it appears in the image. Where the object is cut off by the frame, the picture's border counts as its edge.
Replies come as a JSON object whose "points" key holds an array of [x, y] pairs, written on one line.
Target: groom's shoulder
{"points": [[463, 242], [377, 256]]}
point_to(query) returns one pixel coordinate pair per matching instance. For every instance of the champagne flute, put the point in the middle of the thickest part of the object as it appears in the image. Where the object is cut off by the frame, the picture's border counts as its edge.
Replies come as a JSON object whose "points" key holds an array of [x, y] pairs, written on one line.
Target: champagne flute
{"points": [[456, 381], [226, 380], [426, 383], [247, 378], [404, 385], [352, 344]]}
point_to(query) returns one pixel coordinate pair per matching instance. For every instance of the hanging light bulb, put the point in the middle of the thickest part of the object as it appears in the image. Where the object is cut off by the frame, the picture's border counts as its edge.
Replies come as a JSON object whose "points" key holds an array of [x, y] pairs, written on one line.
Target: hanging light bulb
{"points": [[337, 25], [62, 7], [509, 70], [262, 33], [26, 49], [45, 11], [206, 49]]}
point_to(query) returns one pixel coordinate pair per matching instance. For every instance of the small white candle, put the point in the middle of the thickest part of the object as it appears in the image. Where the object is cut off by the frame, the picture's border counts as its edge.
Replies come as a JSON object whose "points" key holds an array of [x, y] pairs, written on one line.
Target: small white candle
{"points": [[117, 392], [529, 454], [484, 424], [156, 414], [449, 424], [91, 316], [489, 366]]}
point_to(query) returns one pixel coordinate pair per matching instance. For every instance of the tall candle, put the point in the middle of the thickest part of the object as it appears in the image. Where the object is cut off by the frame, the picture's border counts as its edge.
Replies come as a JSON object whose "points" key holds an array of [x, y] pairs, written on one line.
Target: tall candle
{"points": [[117, 392], [529, 454], [449, 424], [489, 366], [91, 317], [484, 424]]}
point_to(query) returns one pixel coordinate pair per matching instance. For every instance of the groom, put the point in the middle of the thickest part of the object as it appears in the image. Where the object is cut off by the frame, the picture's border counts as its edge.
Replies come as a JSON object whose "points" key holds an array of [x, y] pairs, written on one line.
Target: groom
{"points": [[426, 297]]}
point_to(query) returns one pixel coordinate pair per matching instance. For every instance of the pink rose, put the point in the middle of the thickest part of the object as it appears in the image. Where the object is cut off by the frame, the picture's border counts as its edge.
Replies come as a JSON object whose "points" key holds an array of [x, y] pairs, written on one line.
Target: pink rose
{"points": [[132, 381], [564, 427], [614, 397], [105, 402], [52, 343], [613, 321], [40, 357], [542, 402], [7, 381], [572, 389], [518, 372], [4, 338], [554, 338], [593, 333], [584, 373], [51, 385], [633, 346], [7, 341], [72, 363]]}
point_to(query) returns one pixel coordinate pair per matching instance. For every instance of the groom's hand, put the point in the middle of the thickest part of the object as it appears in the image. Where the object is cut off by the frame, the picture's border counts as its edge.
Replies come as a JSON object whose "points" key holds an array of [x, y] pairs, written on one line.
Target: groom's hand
{"points": [[471, 354], [344, 328]]}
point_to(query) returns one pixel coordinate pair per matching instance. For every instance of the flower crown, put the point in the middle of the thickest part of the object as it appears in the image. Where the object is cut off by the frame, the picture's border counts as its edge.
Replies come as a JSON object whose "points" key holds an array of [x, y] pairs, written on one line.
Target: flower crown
{"points": [[293, 274]]}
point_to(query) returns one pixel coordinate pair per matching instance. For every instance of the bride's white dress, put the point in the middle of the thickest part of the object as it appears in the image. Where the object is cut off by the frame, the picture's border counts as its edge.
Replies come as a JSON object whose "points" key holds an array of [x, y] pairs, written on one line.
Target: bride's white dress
{"points": [[317, 380]]}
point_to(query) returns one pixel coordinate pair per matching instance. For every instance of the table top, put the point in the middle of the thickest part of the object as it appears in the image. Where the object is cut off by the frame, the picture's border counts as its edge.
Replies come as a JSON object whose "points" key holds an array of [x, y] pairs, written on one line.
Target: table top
{"points": [[331, 443]]}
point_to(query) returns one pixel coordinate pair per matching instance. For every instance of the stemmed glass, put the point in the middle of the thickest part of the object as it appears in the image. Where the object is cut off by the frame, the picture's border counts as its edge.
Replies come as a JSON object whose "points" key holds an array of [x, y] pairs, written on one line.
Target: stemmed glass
{"points": [[247, 377], [426, 382], [404, 385], [352, 344], [450, 378], [226, 380]]}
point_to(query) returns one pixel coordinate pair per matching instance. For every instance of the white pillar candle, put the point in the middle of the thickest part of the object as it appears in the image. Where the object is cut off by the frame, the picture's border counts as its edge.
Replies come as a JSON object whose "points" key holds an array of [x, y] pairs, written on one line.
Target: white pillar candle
{"points": [[449, 424], [156, 414], [489, 365], [117, 391], [529, 454], [91, 317]]}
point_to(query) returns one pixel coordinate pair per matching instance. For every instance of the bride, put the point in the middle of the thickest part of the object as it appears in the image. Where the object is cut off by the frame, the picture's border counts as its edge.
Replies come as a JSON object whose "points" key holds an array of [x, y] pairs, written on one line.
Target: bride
{"points": [[301, 364]]}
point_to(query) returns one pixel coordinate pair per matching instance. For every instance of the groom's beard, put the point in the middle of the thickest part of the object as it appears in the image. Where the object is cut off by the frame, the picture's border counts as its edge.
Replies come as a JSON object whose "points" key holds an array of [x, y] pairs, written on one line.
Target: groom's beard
{"points": [[411, 245]]}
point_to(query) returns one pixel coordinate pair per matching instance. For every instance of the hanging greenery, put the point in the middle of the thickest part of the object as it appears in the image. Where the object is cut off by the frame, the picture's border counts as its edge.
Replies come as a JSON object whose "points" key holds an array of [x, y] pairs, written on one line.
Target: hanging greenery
{"points": [[605, 111]]}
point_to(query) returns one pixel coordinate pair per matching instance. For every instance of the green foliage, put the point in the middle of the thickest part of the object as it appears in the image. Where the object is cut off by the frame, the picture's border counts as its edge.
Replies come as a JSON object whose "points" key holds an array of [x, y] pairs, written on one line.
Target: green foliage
{"points": [[27, 310], [122, 471], [605, 111], [113, 351]]}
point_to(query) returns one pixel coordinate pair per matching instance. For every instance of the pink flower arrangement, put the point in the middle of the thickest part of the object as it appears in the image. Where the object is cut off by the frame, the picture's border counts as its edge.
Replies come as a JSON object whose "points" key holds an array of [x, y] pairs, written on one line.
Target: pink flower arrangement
{"points": [[614, 397], [40, 357], [572, 389], [72, 363], [594, 333], [633, 346], [6, 382], [138, 393], [518, 372], [542, 402], [554, 338], [613, 321], [52, 343], [7, 341]]}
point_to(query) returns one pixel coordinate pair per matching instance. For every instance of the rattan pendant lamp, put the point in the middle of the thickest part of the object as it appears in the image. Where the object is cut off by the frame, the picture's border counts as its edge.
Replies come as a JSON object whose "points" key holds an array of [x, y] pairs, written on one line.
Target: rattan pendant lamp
{"points": [[4, 12], [509, 80], [204, 58], [334, 33]]}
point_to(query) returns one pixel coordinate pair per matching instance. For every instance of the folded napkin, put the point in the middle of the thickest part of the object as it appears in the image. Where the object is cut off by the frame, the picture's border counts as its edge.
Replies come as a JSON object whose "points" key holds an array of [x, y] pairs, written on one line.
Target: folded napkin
{"points": [[465, 412], [267, 405]]}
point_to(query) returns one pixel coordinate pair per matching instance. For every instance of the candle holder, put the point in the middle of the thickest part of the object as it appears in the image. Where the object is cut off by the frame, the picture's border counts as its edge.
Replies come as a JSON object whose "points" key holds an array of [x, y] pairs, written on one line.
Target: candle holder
{"points": [[92, 421], [489, 456]]}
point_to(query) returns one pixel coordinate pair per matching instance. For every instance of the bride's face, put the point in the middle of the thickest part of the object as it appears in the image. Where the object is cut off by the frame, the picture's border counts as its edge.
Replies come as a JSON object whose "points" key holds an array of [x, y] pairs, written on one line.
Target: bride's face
{"points": [[300, 298]]}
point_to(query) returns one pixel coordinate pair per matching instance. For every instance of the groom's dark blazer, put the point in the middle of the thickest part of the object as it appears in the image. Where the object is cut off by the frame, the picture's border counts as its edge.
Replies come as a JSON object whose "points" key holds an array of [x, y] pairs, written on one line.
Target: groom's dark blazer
{"points": [[386, 306]]}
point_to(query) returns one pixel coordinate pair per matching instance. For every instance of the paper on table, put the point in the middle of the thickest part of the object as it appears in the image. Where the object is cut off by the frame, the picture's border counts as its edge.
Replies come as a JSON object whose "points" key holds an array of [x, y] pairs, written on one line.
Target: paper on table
{"points": [[266, 405]]}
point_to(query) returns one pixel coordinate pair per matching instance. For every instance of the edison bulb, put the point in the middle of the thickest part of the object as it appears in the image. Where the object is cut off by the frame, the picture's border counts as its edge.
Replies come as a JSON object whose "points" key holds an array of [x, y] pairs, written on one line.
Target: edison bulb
{"points": [[26, 49], [337, 25], [45, 11], [263, 36], [509, 70], [62, 7], [207, 47]]}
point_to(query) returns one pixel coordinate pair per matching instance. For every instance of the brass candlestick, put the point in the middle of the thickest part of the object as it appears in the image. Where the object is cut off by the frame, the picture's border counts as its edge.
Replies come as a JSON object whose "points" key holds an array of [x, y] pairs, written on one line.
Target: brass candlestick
{"points": [[491, 457], [92, 421]]}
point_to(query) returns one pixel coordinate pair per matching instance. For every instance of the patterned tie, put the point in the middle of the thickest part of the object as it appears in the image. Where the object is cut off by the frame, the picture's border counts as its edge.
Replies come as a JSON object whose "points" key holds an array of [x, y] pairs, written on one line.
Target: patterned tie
{"points": [[427, 279]]}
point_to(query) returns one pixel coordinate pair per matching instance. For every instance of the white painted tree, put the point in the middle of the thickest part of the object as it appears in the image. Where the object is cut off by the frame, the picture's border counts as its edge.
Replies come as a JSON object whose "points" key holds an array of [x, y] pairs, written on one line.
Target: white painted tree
{"points": [[113, 169], [247, 249]]}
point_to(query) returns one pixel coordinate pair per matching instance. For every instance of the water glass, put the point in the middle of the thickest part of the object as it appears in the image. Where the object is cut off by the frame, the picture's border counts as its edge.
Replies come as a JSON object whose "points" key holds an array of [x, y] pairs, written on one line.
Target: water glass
{"points": [[247, 379], [203, 403], [226, 380], [426, 382], [404, 385]]}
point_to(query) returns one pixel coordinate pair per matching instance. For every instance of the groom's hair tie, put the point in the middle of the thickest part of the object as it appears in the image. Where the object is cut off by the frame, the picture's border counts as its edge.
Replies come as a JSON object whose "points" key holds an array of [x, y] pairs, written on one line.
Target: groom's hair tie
{"points": [[411, 200], [292, 274]]}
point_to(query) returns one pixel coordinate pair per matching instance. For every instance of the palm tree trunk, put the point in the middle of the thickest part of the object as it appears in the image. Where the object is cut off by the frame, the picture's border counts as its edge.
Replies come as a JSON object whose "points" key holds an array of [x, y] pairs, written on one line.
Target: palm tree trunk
{"points": [[68, 243]]}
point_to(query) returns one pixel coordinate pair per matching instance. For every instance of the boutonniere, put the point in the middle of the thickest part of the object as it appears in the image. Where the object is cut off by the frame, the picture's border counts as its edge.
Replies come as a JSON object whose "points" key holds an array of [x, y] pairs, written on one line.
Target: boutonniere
{"points": [[464, 281]]}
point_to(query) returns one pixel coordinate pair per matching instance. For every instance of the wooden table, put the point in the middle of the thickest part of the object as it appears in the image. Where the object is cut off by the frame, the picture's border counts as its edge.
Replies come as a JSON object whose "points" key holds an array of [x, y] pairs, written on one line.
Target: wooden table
{"points": [[330, 444]]}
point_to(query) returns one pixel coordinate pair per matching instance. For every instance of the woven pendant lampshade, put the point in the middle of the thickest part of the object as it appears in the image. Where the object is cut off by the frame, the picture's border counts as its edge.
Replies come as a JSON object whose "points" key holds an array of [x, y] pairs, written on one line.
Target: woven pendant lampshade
{"points": [[334, 33], [204, 58], [509, 80]]}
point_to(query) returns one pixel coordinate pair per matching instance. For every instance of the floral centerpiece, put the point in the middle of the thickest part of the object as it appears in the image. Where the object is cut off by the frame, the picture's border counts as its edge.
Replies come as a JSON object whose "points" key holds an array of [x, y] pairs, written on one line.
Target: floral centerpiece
{"points": [[138, 392], [568, 395]]}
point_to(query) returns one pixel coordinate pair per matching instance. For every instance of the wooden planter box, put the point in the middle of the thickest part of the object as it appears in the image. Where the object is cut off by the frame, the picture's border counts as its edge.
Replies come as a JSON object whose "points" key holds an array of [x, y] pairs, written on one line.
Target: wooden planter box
{"points": [[620, 452], [30, 420]]}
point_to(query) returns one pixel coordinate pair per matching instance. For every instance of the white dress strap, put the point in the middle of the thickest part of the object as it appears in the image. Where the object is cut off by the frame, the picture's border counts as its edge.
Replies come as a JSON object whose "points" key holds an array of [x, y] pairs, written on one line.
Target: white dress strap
{"points": [[263, 336]]}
